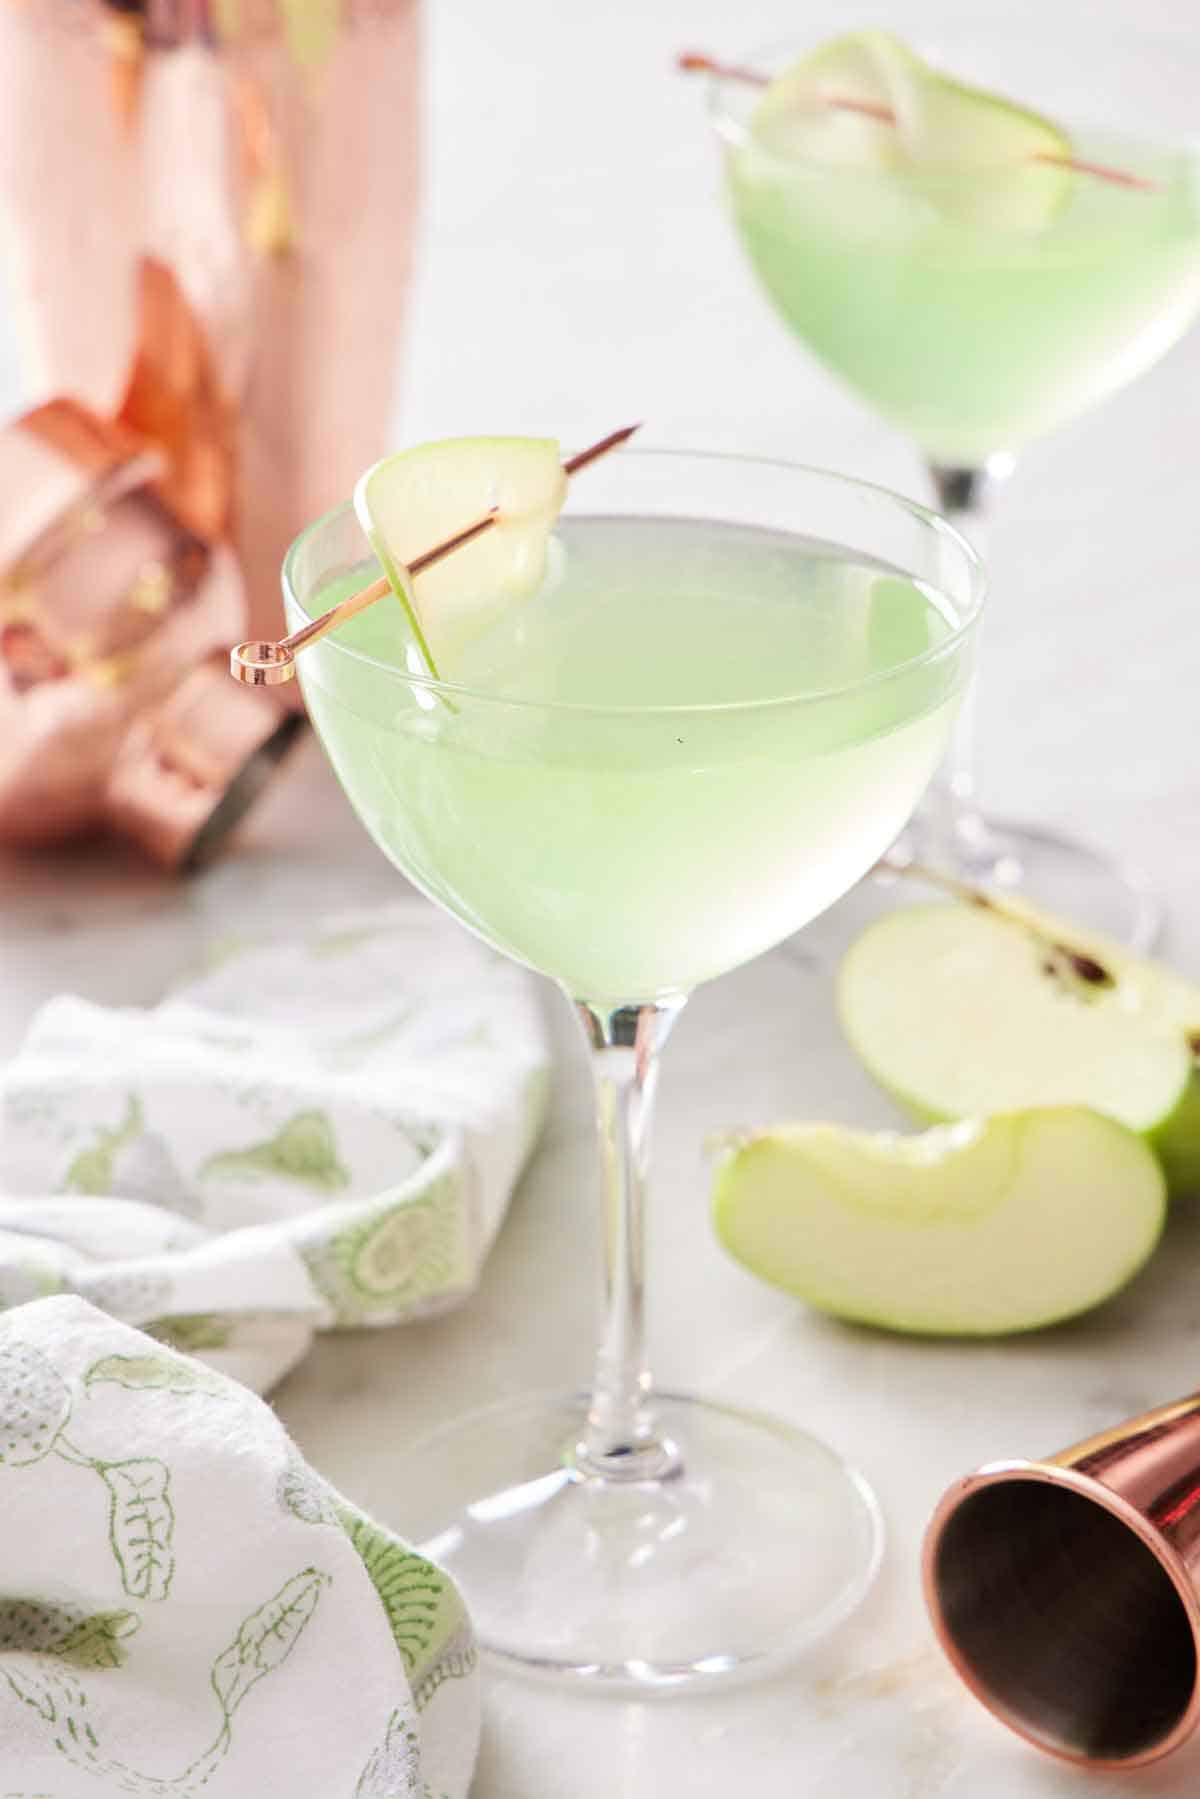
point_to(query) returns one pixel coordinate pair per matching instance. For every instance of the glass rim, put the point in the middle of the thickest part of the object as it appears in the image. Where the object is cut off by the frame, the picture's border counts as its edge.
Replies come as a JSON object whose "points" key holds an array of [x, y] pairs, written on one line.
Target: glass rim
{"points": [[738, 132], [452, 691]]}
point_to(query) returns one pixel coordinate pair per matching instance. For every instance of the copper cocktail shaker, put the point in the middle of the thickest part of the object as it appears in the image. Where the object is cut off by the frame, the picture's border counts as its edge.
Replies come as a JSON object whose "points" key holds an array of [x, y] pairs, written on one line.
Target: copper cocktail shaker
{"points": [[261, 153], [114, 616], [1065, 1591]]}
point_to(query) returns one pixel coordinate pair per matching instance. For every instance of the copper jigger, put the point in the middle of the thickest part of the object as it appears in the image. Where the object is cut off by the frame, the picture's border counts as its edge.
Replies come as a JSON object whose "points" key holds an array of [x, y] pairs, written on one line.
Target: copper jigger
{"points": [[1065, 1591]]}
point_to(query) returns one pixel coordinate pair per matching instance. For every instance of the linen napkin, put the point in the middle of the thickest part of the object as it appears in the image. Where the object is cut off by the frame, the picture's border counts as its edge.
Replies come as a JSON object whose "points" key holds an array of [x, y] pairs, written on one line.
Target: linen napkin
{"points": [[187, 1610], [319, 1133]]}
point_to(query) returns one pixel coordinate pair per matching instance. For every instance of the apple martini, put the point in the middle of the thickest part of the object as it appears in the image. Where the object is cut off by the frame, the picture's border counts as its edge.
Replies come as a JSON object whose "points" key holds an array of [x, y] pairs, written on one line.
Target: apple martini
{"points": [[980, 273], [635, 734]]}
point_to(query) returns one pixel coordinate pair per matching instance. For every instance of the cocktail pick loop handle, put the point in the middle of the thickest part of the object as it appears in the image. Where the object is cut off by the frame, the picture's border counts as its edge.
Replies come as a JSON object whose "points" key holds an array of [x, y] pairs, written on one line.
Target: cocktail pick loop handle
{"points": [[262, 664]]}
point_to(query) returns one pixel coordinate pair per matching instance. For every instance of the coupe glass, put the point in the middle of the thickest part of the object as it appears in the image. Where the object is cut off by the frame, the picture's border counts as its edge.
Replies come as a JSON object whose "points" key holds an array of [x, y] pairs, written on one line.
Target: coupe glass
{"points": [[976, 309], [629, 1537]]}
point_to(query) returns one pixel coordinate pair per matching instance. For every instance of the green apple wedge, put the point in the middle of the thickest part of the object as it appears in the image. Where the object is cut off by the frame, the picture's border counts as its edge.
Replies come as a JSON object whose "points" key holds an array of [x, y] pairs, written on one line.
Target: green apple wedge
{"points": [[982, 1228], [865, 100], [418, 498], [966, 1008]]}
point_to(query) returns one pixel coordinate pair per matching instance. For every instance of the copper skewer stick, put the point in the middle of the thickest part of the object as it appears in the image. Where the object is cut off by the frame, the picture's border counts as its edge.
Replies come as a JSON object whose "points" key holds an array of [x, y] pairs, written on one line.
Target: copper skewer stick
{"points": [[695, 62], [266, 664]]}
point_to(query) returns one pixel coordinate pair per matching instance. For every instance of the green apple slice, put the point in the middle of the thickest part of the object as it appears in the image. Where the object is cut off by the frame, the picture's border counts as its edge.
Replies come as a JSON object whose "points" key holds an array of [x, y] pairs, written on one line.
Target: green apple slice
{"points": [[418, 498], [838, 104], [959, 1010], [982, 160], [980, 1228], [866, 100]]}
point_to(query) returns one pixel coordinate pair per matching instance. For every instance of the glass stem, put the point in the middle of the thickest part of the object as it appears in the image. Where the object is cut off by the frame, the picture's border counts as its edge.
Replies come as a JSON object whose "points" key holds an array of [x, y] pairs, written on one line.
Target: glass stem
{"points": [[620, 1440], [950, 833]]}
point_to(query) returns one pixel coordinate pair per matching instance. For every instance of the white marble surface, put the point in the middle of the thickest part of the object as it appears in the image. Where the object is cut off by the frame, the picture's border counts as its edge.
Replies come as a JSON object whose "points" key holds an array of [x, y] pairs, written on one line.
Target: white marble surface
{"points": [[577, 271]]}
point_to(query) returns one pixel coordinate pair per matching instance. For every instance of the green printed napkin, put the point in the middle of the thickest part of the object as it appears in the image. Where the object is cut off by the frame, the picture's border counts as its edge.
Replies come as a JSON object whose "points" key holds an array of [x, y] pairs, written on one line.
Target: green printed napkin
{"points": [[187, 1611], [318, 1134]]}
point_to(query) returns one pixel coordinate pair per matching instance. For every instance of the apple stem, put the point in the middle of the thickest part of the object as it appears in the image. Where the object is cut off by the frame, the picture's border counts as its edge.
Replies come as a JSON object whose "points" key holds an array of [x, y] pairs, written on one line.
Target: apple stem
{"points": [[695, 62], [935, 877]]}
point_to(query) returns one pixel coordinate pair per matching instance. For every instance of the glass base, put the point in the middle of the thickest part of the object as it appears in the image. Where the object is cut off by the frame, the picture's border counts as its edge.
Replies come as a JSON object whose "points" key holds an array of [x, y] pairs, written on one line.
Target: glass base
{"points": [[1068, 878], [761, 1542]]}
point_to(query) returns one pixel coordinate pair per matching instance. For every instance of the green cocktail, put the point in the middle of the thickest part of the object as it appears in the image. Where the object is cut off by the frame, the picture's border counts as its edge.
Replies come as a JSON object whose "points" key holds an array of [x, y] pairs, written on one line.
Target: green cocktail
{"points": [[710, 718], [980, 273], [968, 337], [650, 708]]}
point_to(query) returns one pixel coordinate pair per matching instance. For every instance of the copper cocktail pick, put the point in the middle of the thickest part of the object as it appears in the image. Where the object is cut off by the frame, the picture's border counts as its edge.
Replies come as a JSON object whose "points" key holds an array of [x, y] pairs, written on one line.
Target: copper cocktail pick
{"points": [[260, 663]]}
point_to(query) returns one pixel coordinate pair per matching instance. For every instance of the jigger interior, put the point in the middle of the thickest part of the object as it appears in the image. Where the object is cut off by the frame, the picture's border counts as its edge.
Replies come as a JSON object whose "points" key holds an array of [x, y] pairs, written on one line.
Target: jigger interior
{"points": [[1067, 1612]]}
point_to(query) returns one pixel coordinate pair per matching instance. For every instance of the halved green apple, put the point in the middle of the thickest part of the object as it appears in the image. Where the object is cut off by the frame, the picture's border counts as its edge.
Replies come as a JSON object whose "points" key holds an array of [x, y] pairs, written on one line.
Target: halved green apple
{"points": [[866, 100], [961, 1009], [980, 1228], [412, 501]]}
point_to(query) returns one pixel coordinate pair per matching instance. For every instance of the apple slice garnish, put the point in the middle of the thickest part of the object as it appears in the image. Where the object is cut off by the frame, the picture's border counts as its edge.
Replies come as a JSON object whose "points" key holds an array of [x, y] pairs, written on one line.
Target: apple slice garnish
{"points": [[866, 101], [959, 1010], [423, 495], [941, 123], [842, 104], [982, 1228]]}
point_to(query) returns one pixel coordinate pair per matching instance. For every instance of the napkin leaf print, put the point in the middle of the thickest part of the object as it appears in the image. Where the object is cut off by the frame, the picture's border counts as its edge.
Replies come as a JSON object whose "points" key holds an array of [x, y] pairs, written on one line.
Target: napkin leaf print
{"points": [[145, 1169], [42, 1627], [304, 1149], [141, 1524], [190, 1332], [96, 1642], [427, 1616], [25, 1685], [34, 1405], [391, 1257], [454, 1658], [394, 1770], [408, 1586], [304, 1494], [266, 1639], [92, 1169], [163, 1372]]}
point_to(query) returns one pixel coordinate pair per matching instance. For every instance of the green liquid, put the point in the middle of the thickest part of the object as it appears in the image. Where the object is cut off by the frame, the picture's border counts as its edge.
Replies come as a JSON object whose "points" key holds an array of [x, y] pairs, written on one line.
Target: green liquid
{"points": [[633, 853], [973, 339]]}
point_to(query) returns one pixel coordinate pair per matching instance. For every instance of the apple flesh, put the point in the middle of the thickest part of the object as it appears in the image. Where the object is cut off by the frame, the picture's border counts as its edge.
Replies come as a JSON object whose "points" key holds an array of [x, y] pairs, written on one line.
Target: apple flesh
{"points": [[963, 1009], [412, 501], [837, 104], [976, 1229]]}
